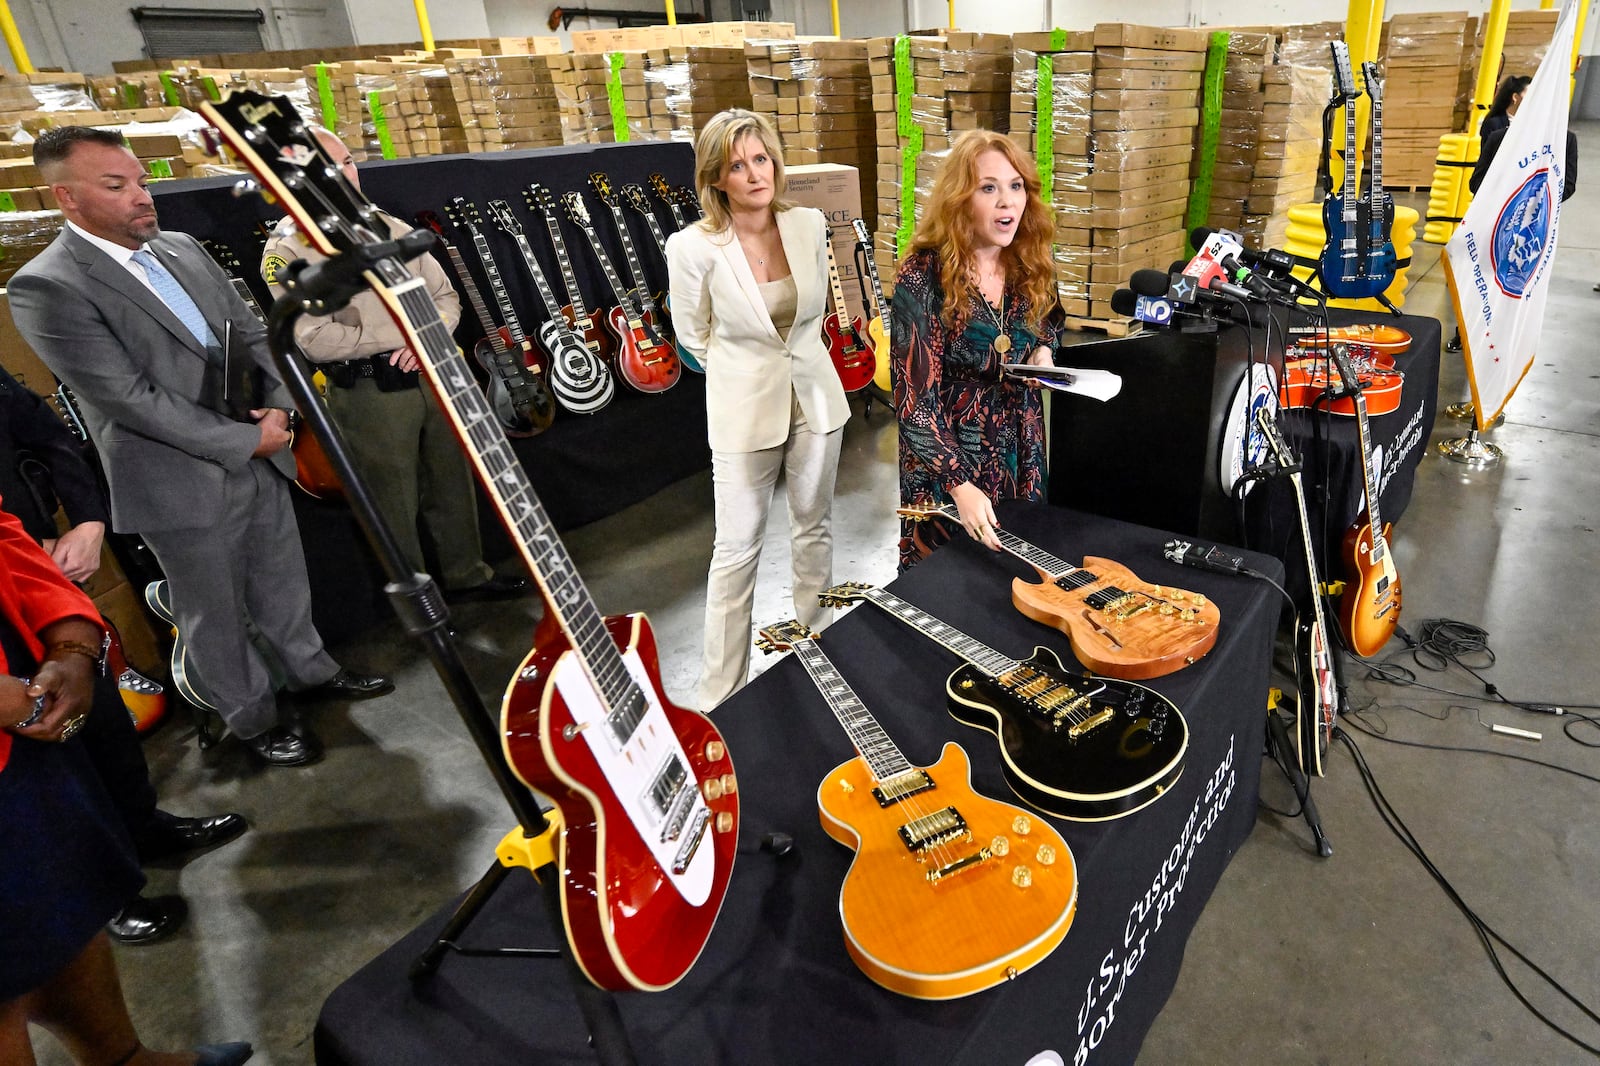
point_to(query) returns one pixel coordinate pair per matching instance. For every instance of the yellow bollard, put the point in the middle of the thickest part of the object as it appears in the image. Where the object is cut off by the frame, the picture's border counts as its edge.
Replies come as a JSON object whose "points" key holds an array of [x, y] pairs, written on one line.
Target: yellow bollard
{"points": [[1448, 196], [1306, 236]]}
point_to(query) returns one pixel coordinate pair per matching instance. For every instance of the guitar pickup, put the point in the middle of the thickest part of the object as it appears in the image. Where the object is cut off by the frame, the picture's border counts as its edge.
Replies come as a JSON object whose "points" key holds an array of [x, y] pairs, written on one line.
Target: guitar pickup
{"points": [[905, 785], [932, 830], [697, 833]]}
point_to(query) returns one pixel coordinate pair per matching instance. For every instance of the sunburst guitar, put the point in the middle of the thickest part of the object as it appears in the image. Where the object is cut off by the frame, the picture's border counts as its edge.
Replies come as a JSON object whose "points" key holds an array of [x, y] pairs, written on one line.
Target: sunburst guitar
{"points": [[1118, 625], [950, 892]]}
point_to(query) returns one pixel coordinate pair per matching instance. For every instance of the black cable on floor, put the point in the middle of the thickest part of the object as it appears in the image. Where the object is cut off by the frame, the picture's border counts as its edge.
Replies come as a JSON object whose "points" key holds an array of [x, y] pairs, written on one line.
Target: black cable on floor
{"points": [[1486, 934]]}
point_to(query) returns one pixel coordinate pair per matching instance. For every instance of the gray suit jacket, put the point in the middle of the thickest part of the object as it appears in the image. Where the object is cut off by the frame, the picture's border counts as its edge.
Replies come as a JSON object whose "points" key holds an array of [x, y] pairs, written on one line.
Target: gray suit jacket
{"points": [[140, 375]]}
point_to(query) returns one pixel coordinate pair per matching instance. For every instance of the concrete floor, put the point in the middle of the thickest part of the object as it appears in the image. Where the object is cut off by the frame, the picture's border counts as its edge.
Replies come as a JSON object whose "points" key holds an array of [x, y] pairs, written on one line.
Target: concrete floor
{"points": [[1356, 958]]}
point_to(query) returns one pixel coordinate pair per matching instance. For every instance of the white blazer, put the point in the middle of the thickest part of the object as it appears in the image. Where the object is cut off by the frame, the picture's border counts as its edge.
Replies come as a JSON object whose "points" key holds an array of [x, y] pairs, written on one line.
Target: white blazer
{"points": [[751, 372]]}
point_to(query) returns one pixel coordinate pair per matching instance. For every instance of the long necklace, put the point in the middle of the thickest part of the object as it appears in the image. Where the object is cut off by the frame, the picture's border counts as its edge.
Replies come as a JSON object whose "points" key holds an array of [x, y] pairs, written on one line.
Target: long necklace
{"points": [[1002, 339]]}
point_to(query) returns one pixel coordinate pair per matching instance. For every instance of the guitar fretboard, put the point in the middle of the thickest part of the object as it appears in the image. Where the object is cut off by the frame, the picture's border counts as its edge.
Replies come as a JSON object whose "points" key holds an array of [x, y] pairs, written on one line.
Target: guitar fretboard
{"points": [[248, 297], [618, 289], [974, 651], [497, 284], [568, 277], [873, 744], [640, 291], [491, 332], [865, 239]]}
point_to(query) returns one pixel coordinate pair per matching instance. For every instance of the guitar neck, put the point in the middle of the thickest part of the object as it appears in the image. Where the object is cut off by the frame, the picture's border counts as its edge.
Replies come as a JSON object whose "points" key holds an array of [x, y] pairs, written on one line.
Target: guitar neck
{"points": [[881, 755], [834, 286], [1311, 555], [497, 284], [568, 277], [540, 282], [1369, 475], [612, 278], [632, 257], [1350, 162], [654, 227], [1377, 158], [475, 298], [974, 651]]}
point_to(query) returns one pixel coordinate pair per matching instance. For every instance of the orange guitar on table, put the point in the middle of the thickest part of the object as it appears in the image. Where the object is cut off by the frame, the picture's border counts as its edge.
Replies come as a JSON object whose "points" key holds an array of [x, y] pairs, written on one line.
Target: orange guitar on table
{"points": [[648, 804], [1389, 340], [1117, 624], [950, 892], [1306, 379], [1369, 610]]}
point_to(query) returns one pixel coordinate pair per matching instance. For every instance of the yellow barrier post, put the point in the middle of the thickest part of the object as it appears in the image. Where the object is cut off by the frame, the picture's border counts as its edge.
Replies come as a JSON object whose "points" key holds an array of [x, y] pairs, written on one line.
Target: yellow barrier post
{"points": [[19, 51], [672, 14], [835, 6], [422, 24]]}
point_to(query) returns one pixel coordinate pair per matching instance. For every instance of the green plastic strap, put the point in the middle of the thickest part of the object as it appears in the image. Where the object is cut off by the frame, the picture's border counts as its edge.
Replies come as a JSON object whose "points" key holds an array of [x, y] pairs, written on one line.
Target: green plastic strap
{"points": [[131, 95], [330, 113], [1044, 134], [169, 89], [911, 134], [619, 107], [1210, 128], [7, 202], [380, 123], [209, 84], [904, 84], [160, 168]]}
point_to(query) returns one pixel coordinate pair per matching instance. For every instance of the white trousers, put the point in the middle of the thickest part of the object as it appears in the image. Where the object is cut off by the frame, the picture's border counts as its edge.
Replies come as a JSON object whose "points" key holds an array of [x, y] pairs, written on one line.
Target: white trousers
{"points": [[743, 483]]}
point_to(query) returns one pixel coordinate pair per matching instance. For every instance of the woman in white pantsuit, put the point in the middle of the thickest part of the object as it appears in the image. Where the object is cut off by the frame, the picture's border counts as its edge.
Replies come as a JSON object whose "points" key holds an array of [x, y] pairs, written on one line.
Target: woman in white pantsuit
{"points": [[749, 289]]}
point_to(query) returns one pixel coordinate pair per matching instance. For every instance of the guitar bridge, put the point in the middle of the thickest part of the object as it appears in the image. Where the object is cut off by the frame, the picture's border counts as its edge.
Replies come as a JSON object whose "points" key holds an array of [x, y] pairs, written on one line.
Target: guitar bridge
{"points": [[697, 833], [981, 855], [1091, 723]]}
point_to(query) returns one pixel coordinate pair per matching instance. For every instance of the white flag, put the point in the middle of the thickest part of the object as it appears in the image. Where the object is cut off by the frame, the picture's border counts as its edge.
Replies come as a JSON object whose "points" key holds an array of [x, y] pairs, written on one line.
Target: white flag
{"points": [[1498, 263]]}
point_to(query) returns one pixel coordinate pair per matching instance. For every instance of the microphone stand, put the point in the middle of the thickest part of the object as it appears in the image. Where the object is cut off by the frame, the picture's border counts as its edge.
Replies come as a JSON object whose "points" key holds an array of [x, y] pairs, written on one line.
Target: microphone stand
{"points": [[322, 288]]}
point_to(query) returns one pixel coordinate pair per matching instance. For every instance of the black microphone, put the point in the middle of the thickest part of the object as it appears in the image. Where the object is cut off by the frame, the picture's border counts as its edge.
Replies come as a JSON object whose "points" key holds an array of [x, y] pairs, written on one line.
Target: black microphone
{"points": [[1123, 302], [1151, 282], [1203, 557], [1271, 264]]}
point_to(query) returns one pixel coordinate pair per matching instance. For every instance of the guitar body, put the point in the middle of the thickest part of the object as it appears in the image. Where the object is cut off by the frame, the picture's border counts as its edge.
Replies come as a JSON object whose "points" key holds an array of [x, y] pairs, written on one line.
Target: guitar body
{"points": [[852, 359], [642, 360], [632, 920], [1354, 270], [313, 470], [599, 341], [144, 699], [516, 393], [157, 596], [1119, 625], [1305, 380], [971, 929], [1369, 610], [1319, 701], [878, 337], [685, 356], [1130, 750], [578, 376], [1382, 339]]}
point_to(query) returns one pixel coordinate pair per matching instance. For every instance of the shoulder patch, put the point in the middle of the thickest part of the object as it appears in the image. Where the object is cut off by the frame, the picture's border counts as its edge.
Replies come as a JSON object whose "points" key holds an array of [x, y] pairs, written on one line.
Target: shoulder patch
{"points": [[271, 266]]}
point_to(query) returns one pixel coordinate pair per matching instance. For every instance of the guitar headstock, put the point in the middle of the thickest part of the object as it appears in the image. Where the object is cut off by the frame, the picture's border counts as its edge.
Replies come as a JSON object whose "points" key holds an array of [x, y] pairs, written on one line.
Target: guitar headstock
{"points": [[501, 212], [430, 220], [659, 185], [576, 209], [540, 199], [1339, 352], [845, 594], [1374, 82], [601, 184], [633, 196], [863, 235], [463, 214], [1343, 80], [269, 136], [686, 198], [924, 514], [1267, 424], [783, 636]]}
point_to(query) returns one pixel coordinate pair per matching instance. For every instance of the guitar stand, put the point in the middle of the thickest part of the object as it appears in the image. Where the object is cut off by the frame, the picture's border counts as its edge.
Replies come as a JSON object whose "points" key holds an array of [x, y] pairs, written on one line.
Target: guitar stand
{"points": [[322, 288]]}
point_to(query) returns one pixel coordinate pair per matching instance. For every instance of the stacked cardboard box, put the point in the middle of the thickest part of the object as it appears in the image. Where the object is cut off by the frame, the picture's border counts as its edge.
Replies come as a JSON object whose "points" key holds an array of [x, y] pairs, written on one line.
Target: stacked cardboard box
{"points": [[580, 82], [819, 95], [1295, 90], [1143, 141], [1422, 69], [342, 89], [1528, 35], [506, 101], [718, 80], [1052, 81], [428, 119], [1244, 104], [976, 71], [886, 173], [1467, 82], [666, 77]]}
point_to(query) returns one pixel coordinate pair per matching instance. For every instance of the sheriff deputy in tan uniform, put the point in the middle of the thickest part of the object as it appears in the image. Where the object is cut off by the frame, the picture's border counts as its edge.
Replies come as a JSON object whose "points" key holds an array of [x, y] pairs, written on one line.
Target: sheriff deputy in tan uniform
{"points": [[402, 443]]}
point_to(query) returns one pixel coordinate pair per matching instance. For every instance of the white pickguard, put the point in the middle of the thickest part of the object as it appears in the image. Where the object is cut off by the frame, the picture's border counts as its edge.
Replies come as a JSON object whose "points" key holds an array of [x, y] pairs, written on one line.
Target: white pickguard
{"points": [[631, 769]]}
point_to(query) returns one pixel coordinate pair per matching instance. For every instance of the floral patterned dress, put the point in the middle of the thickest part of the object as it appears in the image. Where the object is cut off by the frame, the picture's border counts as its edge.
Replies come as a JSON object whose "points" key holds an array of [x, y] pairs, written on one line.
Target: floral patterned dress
{"points": [[960, 419]]}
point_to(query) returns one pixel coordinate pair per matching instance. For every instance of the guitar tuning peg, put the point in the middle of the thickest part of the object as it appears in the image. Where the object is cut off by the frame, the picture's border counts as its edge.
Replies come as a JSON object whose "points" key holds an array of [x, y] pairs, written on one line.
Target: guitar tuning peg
{"points": [[245, 187]]}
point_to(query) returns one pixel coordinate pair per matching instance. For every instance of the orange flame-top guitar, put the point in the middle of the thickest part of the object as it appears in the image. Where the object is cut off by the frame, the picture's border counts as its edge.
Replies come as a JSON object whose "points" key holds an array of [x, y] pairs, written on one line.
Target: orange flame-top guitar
{"points": [[1369, 610]]}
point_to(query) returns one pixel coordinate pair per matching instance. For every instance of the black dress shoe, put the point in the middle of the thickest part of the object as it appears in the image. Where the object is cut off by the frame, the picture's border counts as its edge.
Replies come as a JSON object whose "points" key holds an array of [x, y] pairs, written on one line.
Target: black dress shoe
{"points": [[223, 1054], [496, 588], [348, 685], [280, 746], [146, 920], [171, 835]]}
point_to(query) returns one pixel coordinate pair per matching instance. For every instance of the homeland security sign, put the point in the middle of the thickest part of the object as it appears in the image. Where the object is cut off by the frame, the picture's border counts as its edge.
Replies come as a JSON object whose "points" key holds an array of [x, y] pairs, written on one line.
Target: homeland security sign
{"points": [[1498, 262]]}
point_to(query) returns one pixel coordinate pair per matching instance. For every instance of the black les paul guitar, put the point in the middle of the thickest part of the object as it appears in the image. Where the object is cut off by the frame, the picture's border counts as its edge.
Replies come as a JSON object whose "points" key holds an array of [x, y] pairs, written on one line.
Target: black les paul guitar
{"points": [[1085, 748]]}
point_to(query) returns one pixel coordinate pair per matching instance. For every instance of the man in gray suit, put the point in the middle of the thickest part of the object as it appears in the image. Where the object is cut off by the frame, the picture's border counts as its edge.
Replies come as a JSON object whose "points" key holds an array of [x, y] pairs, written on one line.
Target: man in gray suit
{"points": [[135, 322]]}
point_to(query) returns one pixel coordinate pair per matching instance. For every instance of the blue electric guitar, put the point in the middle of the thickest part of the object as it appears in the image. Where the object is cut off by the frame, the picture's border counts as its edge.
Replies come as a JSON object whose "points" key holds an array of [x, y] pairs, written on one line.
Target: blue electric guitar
{"points": [[1358, 262]]}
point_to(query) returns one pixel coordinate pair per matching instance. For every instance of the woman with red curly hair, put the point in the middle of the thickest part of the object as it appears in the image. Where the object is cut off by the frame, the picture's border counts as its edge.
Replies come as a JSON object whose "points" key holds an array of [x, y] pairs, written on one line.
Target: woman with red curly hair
{"points": [[977, 290]]}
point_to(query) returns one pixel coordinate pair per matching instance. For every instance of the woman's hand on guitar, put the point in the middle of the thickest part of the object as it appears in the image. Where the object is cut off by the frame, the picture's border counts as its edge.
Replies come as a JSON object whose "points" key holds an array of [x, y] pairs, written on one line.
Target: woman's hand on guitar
{"points": [[977, 514]]}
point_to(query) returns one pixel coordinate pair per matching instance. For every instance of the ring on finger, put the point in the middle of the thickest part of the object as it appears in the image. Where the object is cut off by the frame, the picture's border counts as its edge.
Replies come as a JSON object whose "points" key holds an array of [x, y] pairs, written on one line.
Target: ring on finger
{"points": [[70, 730]]}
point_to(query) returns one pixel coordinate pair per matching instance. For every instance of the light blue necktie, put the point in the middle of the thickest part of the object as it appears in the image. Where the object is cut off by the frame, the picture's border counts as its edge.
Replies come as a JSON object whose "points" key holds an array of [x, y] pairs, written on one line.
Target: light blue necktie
{"points": [[173, 295]]}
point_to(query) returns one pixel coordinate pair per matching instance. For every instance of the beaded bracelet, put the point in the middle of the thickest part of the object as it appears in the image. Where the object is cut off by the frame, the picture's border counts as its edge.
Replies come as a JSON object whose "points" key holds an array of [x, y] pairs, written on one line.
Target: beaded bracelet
{"points": [[74, 647]]}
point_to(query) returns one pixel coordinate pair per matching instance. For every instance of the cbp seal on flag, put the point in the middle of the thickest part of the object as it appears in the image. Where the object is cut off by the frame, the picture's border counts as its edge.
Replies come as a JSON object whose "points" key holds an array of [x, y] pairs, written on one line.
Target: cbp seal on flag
{"points": [[1521, 235]]}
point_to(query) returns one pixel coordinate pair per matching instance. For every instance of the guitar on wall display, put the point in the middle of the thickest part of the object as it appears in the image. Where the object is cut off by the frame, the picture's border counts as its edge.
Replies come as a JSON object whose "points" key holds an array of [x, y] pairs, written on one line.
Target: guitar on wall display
{"points": [[578, 377], [1118, 625], [515, 367], [1358, 261], [634, 195], [1369, 610], [1085, 748], [679, 201], [1319, 698], [853, 360], [878, 328], [313, 473], [648, 802], [1004, 882], [643, 359], [643, 298], [541, 200]]}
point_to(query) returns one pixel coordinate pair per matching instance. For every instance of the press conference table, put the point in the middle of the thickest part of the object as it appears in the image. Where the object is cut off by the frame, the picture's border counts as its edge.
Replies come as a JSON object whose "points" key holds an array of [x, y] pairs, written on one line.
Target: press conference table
{"points": [[774, 984]]}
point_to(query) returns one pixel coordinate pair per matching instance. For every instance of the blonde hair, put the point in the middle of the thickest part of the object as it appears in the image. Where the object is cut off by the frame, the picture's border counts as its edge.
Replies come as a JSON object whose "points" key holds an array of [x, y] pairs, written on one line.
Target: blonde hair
{"points": [[946, 229], [714, 147]]}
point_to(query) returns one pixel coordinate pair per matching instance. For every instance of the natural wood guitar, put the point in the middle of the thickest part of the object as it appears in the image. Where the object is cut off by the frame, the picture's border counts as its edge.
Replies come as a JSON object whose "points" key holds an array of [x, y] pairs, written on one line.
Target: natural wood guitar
{"points": [[1369, 610], [1119, 625], [878, 328], [1085, 748], [649, 812], [950, 892]]}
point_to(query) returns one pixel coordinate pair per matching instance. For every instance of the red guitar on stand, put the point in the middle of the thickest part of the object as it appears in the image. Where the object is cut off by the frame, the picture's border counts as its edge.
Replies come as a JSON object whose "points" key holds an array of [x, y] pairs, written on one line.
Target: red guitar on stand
{"points": [[648, 805], [853, 358]]}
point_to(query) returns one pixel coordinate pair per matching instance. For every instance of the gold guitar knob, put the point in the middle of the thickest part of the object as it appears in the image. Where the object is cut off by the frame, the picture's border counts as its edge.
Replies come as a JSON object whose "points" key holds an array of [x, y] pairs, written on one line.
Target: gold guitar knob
{"points": [[1022, 877], [1199, 600], [1022, 825], [729, 785], [711, 788], [999, 847], [1046, 855], [724, 821], [716, 750]]}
